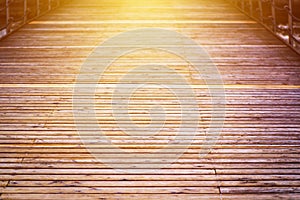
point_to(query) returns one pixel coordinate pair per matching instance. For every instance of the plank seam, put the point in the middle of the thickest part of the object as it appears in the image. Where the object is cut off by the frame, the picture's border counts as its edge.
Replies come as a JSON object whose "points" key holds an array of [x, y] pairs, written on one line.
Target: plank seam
{"points": [[219, 184], [6, 185]]}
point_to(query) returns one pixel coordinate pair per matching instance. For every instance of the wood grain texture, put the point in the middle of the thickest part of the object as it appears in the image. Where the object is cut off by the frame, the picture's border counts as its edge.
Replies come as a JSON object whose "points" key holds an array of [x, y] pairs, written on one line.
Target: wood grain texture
{"points": [[42, 156]]}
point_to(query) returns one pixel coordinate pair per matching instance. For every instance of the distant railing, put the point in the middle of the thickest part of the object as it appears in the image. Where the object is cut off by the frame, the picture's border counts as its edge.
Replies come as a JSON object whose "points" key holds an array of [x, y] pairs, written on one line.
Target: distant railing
{"points": [[16, 13], [282, 17]]}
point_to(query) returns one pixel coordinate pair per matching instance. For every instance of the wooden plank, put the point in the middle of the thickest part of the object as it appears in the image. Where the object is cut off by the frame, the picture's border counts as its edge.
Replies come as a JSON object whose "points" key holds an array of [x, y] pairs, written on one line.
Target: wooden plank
{"points": [[150, 177], [111, 190], [110, 196], [254, 190], [95, 183]]}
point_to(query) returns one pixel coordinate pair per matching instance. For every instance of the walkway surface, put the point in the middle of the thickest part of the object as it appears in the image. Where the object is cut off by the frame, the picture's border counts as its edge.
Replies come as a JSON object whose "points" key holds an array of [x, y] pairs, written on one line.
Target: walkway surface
{"points": [[41, 154]]}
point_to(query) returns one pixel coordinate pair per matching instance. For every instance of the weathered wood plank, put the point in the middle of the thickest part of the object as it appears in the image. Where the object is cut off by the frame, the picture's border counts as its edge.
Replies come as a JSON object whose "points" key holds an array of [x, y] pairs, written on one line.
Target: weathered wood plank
{"points": [[109, 196]]}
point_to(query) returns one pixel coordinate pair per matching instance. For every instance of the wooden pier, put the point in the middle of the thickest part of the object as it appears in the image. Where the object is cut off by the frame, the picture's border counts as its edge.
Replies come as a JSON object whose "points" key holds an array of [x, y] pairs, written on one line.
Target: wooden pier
{"points": [[42, 157]]}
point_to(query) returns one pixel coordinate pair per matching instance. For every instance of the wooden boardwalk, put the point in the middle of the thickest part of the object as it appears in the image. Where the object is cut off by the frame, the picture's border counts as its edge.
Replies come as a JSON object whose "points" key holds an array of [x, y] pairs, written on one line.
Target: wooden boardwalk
{"points": [[42, 156]]}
